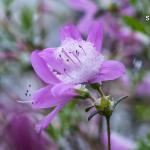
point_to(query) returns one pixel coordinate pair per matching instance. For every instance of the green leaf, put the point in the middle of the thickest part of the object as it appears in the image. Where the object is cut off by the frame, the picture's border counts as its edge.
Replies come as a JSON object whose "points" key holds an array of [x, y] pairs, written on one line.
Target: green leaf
{"points": [[134, 24], [133, 2], [7, 3], [26, 18], [144, 144], [54, 133], [142, 111]]}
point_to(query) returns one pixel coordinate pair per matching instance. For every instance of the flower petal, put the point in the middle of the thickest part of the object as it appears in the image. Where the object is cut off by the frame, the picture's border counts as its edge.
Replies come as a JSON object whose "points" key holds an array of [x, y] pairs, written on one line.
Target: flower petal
{"points": [[110, 70], [50, 58], [95, 35], [61, 90], [44, 99], [47, 120], [42, 69], [70, 31]]}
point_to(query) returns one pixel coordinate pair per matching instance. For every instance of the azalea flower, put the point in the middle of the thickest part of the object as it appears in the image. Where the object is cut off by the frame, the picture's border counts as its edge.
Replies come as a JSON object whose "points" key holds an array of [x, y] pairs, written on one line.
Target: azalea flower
{"points": [[75, 62]]}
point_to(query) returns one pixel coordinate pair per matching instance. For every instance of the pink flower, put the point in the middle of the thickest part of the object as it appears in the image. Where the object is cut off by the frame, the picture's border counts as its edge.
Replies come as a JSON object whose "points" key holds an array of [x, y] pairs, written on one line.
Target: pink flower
{"points": [[143, 87], [17, 128], [89, 9], [75, 61], [128, 11], [119, 142]]}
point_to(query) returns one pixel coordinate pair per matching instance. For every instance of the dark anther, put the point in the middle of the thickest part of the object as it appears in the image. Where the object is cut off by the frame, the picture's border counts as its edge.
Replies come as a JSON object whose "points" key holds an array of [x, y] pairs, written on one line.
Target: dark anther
{"points": [[26, 94], [27, 91], [60, 56], [67, 59], [58, 73], [87, 109], [80, 46], [93, 114], [77, 52], [29, 85]]}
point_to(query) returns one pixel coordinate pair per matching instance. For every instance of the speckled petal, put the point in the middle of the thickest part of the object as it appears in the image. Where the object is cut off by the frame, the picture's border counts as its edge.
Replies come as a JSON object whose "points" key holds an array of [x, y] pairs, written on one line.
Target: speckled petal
{"points": [[50, 58], [42, 69]]}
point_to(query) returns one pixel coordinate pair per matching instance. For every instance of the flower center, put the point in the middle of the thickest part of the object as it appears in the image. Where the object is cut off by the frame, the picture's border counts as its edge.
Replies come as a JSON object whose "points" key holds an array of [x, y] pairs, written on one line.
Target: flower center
{"points": [[81, 59]]}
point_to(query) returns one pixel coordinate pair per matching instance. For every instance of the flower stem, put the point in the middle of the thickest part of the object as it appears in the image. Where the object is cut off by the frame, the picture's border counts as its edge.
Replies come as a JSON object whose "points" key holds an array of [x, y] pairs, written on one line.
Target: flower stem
{"points": [[101, 91], [108, 132]]}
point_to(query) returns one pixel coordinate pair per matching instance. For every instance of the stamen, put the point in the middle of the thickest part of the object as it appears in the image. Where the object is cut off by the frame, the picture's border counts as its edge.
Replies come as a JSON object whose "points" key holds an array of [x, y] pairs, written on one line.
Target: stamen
{"points": [[67, 74], [20, 101], [76, 57], [77, 52], [82, 49], [68, 56]]}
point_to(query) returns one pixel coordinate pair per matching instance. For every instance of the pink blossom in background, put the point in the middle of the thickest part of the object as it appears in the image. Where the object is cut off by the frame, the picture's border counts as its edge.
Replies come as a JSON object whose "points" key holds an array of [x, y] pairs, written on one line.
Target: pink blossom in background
{"points": [[74, 62], [44, 6], [128, 11], [143, 88], [7, 55], [89, 9], [17, 129], [118, 142], [21, 136], [125, 80], [125, 8], [125, 36], [87, 6]]}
